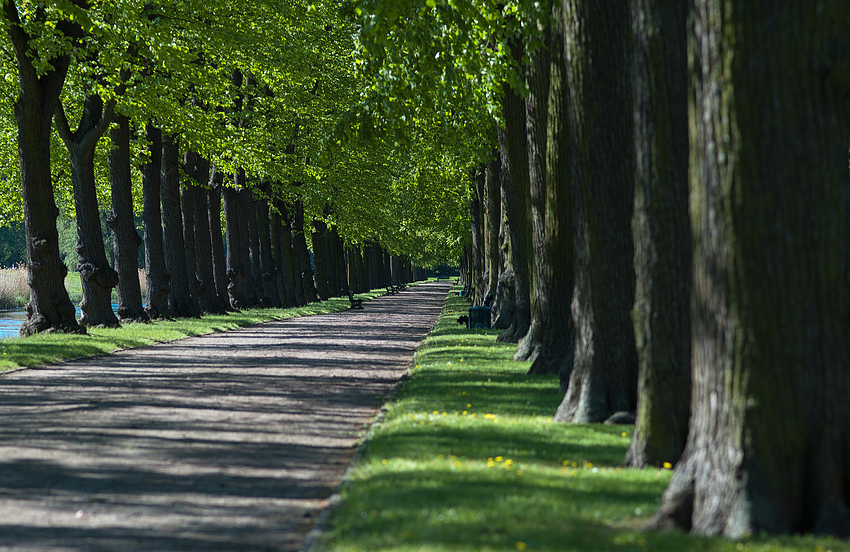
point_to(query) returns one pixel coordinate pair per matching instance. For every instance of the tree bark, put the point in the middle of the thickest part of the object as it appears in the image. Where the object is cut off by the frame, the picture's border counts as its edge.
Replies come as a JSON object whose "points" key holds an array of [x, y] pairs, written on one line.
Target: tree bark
{"points": [[198, 168], [181, 300], [767, 445], [96, 276], [158, 280], [254, 291], [236, 237], [290, 281], [49, 307], [661, 231], [476, 250], [515, 188], [219, 262], [604, 375], [187, 201], [549, 343], [126, 239], [320, 258], [268, 268], [492, 225], [302, 254]]}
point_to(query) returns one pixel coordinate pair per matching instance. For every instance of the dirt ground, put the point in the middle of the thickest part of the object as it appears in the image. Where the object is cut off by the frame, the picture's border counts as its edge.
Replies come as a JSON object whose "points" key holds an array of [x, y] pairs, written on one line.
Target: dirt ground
{"points": [[232, 441]]}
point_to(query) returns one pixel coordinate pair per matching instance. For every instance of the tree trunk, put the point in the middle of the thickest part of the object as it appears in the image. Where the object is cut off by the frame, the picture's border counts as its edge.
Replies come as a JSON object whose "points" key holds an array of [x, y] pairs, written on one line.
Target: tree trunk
{"points": [[604, 375], [254, 292], [126, 239], [219, 262], [502, 307], [476, 251], [492, 224], [299, 246], [188, 200], [768, 438], [515, 188], [49, 307], [275, 227], [292, 298], [267, 262], [549, 342], [96, 276], [661, 230], [181, 300], [237, 241], [158, 280], [198, 168], [320, 258]]}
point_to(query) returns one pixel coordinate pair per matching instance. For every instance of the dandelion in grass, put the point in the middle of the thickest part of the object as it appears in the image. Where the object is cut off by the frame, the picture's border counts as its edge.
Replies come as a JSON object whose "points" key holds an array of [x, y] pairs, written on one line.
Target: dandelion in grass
{"points": [[499, 459], [667, 466], [521, 545]]}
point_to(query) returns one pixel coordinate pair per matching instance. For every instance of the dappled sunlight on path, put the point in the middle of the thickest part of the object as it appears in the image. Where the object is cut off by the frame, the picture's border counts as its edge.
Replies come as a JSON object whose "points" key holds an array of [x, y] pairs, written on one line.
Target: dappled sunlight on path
{"points": [[230, 441]]}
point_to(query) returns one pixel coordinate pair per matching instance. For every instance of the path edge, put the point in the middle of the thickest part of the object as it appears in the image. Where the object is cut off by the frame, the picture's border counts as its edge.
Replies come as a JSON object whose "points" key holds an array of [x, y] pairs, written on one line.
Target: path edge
{"points": [[320, 528]]}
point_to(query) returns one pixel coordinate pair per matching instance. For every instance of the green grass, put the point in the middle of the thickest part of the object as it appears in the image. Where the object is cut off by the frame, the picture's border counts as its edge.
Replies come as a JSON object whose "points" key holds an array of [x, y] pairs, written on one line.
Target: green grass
{"points": [[467, 458], [47, 348]]}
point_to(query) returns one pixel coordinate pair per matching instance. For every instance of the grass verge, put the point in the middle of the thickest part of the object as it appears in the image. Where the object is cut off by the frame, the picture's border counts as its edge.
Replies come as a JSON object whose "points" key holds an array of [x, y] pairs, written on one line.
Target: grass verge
{"points": [[467, 458], [48, 348]]}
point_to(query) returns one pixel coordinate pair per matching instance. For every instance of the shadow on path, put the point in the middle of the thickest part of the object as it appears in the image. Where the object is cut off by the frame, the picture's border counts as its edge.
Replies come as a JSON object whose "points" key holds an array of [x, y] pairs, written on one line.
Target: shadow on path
{"points": [[230, 441]]}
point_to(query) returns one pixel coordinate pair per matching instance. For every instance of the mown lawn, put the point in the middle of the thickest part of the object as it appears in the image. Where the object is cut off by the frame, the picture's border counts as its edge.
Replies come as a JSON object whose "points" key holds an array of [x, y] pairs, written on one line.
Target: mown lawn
{"points": [[467, 458]]}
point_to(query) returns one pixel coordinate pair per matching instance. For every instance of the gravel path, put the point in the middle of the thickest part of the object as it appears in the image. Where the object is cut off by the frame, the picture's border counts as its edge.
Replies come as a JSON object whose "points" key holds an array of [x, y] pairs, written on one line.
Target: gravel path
{"points": [[232, 441]]}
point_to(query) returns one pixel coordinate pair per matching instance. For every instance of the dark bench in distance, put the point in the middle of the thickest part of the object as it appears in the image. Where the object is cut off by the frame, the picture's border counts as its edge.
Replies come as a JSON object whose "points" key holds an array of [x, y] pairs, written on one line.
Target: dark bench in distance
{"points": [[355, 303]]}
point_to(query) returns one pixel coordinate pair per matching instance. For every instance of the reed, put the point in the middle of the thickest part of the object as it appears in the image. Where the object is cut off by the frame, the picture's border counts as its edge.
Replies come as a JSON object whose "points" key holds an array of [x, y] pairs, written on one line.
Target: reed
{"points": [[14, 291]]}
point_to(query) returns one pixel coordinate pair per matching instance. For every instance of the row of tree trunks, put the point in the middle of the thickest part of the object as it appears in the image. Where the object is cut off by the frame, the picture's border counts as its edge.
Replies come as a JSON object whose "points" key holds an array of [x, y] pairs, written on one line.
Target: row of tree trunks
{"points": [[121, 221], [767, 446]]}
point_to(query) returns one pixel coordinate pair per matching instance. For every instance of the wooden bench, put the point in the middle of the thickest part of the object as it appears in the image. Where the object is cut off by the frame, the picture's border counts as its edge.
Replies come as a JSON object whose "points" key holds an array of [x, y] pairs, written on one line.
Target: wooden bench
{"points": [[391, 289], [355, 303], [399, 285]]}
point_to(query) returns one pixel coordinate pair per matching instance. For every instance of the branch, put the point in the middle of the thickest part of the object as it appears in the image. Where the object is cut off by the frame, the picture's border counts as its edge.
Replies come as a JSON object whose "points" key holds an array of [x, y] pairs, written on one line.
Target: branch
{"points": [[62, 126]]}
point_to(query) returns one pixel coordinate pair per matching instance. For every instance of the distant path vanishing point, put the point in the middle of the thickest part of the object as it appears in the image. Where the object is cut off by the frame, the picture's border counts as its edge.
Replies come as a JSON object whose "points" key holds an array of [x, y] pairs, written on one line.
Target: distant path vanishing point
{"points": [[231, 441]]}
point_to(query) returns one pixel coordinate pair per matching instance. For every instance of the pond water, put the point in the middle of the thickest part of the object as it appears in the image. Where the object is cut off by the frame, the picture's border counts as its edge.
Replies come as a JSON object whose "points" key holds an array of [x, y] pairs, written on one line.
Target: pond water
{"points": [[11, 320]]}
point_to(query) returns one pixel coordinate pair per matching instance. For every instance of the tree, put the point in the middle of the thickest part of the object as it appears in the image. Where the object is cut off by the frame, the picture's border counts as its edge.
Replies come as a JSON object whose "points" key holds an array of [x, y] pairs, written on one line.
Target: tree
{"points": [[770, 120], [127, 239], [42, 68], [604, 374], [97, 277], [661, 231]]}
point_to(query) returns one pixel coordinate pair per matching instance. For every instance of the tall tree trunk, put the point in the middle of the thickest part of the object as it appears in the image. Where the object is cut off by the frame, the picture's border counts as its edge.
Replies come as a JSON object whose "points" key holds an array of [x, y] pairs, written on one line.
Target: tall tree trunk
{"points": [[254, 292], [219, 262], [550, 340], [320, 258], [188, 200], [181, 300], [503, 301], [768, 439], [290, 282], [275, 227], [604, 375], [96, 276], [339, 257], [236, 237], [299, 246], [476, 250], [198, 168], [49, 307], [158, 280], [661, 230], [126, 240], [268, 268], [515, 188], [492, 224]]}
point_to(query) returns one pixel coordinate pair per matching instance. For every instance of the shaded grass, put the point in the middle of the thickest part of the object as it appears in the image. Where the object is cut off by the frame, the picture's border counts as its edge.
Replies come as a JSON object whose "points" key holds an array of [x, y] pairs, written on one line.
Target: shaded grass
{"points": [[467, 458], [53, 347]]}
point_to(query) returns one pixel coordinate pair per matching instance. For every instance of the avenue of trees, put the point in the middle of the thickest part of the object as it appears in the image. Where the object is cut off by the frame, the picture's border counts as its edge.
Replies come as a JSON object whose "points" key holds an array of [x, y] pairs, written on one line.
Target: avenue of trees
{"points": [[227, 128], [662, 219], [652, 196]]}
